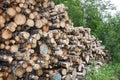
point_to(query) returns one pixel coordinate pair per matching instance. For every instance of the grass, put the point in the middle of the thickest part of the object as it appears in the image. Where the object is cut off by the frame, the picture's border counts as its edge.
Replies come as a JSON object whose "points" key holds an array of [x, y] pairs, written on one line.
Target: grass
{"points": [[108, 72]]}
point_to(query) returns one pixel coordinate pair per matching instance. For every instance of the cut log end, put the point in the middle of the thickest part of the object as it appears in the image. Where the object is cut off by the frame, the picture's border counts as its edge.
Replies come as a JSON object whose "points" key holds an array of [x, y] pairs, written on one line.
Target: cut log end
{"points": [[6, 34], [30, 23], [11, 12], [43, 49], [20, 19], [55, 76], [38, 24], [14, 48], [45, 28], [19, 72], [2, 20]]}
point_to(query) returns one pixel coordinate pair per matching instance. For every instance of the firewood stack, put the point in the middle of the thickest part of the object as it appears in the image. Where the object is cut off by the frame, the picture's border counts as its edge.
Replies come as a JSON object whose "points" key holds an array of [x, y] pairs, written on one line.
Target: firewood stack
{"points": [[38, 42]]}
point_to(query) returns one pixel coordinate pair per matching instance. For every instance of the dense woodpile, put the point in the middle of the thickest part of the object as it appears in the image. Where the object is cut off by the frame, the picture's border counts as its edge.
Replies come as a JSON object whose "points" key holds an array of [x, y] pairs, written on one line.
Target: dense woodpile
{"points": [[38, 42]]}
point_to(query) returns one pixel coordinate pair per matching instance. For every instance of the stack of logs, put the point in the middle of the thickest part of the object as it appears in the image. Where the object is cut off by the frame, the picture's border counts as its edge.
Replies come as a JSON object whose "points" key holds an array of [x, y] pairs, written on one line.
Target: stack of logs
{"points": [[38, 42]]}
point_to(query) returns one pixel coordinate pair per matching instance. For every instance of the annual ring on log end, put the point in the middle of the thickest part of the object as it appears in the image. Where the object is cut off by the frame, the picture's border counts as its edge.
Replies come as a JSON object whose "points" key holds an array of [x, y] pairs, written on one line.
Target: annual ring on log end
{"points": [[55, 76], [43, 49]]}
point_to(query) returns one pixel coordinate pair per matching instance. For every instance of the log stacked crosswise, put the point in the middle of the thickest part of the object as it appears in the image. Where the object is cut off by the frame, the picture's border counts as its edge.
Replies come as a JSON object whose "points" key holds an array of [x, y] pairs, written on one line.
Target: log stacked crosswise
{"points": [[38, 42]]}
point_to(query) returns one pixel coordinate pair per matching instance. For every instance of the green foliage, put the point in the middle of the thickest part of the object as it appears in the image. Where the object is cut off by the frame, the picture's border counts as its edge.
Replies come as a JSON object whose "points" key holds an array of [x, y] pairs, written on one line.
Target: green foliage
{"points": [[108, 72], [112, 38]]}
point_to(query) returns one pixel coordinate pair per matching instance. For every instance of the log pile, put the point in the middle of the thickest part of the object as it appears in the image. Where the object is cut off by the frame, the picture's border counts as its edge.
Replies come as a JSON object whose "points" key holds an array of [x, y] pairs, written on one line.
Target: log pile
{"points": [[38, 42]]}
